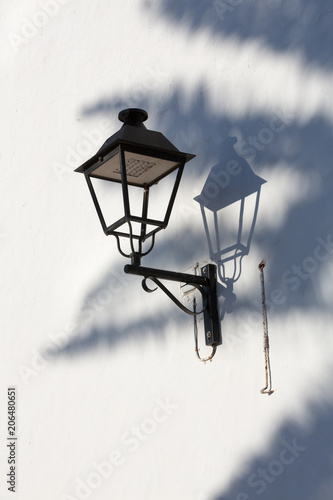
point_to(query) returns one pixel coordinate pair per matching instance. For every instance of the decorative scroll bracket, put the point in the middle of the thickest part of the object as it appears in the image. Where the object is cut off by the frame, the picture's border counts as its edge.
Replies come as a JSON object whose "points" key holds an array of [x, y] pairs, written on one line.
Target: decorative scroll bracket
{"points": [[206, 284]]}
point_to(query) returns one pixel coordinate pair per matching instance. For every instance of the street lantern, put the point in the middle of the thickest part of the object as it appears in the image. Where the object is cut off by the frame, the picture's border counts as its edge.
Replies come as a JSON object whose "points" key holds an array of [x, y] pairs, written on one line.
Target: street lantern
{"points": [[136, 160], [229, 204]]}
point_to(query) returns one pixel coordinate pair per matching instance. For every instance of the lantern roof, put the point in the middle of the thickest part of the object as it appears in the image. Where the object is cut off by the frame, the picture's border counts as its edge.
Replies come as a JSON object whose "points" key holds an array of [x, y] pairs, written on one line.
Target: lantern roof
{"points": [[135, 134]]}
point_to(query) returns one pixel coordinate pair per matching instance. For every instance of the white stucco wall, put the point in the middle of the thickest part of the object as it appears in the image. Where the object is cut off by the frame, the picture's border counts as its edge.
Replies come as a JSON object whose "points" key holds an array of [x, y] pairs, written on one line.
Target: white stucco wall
{"points": [[111, 400]]}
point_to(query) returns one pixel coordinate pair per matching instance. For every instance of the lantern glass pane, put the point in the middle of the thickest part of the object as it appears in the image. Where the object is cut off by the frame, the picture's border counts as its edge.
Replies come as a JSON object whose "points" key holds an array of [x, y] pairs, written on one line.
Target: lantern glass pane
{"points": [[110, 200], [159, 197], [141, 169]]}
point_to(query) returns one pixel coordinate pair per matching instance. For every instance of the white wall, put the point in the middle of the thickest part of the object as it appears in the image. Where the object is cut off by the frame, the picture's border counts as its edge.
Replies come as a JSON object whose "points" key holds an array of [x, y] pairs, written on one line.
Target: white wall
{"points": [[204, 71]]}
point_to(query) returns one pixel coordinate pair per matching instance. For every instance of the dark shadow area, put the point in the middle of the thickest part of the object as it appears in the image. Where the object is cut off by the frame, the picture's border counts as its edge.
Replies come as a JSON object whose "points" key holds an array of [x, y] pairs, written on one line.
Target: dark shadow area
{"points": [[229, 183], [111, 335], [300, 26], [289, 247], [293, 258], [300, 151], [297, 466]]}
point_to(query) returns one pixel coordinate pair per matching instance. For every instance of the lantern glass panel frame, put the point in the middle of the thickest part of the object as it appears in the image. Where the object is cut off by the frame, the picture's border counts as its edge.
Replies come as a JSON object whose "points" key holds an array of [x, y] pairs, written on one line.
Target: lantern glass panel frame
{"points": [[117, 166]]}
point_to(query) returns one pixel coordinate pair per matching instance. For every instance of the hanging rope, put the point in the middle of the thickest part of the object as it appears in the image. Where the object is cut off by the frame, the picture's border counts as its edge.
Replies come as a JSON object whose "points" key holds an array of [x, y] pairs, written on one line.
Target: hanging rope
{"points": [[196, 336], [268, 387]]}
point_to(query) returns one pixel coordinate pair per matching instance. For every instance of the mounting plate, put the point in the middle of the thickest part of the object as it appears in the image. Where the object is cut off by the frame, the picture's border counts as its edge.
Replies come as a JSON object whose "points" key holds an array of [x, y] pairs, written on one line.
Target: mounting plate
{"points": [[211, 316]]}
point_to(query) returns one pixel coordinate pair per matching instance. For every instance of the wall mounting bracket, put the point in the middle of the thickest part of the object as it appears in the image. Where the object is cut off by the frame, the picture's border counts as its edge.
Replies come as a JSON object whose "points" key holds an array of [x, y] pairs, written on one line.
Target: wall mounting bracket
{"points": [[206, 284]]}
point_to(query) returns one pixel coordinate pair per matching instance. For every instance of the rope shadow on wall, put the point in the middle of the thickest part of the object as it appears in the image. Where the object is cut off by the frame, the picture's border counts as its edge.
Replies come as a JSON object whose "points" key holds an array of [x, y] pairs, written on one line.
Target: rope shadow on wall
{"points": [[229, 204]]}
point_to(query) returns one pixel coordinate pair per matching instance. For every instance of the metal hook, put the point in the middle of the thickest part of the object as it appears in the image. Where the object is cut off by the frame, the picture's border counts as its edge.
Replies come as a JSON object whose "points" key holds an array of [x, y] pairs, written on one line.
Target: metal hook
{"points": [[172, 297], [146, 288]]}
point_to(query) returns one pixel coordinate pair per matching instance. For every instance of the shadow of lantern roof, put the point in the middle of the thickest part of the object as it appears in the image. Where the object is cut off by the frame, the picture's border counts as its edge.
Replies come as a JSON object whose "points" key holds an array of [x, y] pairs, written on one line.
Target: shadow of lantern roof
{"points": [[229, 181]]}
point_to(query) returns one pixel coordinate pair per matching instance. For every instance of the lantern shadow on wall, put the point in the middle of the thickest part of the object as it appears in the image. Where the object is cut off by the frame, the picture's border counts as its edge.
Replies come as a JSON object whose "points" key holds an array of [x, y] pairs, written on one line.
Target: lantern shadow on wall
{"points": [[229, 204]]}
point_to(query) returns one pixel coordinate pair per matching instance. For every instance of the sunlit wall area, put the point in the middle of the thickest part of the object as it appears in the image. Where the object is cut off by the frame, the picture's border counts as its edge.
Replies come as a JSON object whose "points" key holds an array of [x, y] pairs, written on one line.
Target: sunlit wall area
{"points": [[102, 392]]}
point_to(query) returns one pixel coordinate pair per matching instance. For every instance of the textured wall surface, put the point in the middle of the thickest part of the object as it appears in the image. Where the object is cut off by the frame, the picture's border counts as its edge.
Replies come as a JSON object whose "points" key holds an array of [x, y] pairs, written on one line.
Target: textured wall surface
{"points": [[111, 401]]}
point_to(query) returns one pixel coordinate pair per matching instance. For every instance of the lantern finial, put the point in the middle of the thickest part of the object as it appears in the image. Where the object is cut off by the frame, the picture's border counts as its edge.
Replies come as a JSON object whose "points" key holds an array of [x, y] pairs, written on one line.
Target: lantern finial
{"points": [[133, 116]]}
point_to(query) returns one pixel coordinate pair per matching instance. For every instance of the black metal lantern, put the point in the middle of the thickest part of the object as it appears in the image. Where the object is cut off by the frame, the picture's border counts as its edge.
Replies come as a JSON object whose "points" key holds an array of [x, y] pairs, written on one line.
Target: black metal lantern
{"points": [[137, 159]]}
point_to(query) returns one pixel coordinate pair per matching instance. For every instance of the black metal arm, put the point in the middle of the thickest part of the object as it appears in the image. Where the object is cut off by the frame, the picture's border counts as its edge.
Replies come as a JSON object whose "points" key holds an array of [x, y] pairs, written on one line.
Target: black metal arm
{"points": [[206, 284]]}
